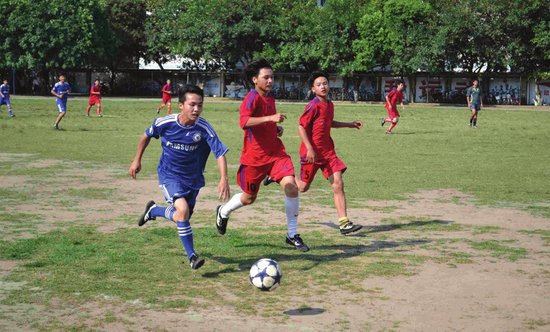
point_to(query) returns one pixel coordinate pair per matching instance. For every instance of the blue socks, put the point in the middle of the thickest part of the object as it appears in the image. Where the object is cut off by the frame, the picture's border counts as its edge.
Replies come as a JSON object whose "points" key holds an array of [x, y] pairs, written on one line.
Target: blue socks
{"points": [[186, 236], [184, 227], [163, 211]]}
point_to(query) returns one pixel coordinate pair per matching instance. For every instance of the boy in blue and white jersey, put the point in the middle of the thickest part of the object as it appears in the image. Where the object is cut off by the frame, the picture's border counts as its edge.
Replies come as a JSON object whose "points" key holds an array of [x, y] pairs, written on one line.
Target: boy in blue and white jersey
{"points": [[5, 96], [61, 91], [186, 140]]}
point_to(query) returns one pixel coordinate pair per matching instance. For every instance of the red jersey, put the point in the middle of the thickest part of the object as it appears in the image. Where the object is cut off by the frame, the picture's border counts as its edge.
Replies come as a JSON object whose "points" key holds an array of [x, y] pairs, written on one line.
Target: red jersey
{"points": [[395, 96], [261, 145], [317, 121], [96, 89], [166, 87]]}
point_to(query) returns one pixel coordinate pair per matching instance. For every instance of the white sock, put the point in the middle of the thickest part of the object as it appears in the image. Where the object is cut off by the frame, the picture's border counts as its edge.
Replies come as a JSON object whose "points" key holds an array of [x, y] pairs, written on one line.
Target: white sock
{"points": [[292, 205], [233, 204]]}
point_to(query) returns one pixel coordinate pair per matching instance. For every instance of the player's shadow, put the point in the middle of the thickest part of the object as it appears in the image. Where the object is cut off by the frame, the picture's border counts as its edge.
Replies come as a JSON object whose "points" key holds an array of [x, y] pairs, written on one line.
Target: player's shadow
{"points": [[364, 232], [345, 251], [304, 311]]}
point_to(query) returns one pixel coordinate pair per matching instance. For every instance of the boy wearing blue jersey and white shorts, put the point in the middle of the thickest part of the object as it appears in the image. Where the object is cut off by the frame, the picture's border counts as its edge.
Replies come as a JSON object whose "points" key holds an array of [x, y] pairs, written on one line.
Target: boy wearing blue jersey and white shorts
{"points": [[61, 92], [5, 96], [187, 140]]}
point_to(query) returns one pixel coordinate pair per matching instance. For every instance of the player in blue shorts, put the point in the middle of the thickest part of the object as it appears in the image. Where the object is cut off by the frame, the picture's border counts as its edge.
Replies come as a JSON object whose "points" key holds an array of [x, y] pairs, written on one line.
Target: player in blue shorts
{"points": [[187, 140], [5, 96], [474, 98], [61, 91]]}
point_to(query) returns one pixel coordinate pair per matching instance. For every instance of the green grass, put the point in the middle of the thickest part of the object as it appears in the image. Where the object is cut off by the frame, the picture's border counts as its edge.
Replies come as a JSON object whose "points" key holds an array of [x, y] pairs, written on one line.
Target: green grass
{"points": [[497, 249], [504, 161]]}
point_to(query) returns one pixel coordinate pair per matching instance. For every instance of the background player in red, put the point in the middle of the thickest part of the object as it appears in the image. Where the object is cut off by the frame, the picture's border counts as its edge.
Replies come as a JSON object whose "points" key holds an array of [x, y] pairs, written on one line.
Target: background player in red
{"points": [[263, 154], [166, 97], [393, 98], [317, 149], [95, 98]]}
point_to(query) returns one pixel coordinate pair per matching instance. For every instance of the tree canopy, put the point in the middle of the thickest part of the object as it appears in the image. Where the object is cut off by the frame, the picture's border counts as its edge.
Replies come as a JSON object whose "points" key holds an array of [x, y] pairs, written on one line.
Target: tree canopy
{"points": [[343, 36]]}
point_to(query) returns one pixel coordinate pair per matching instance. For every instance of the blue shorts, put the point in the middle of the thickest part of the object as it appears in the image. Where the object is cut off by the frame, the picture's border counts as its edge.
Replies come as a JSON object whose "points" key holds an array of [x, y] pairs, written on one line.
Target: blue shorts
{"points": [[475, 107], [173, 190], [5, 101], [61, 106]]}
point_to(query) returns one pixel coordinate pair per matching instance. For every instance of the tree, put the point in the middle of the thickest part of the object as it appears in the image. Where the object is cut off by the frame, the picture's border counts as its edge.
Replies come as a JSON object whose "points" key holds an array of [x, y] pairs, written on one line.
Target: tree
{"points": [[395, 33], [122, 35], [43, 35]]}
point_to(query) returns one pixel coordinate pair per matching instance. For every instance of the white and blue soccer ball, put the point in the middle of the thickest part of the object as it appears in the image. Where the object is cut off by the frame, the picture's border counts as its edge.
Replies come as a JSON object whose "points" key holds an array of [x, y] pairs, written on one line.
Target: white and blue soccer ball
{"points": [[265, 274]]}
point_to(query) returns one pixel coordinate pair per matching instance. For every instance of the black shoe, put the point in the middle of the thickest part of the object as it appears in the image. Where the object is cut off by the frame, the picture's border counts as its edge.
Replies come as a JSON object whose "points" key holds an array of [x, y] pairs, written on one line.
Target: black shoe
{"points": [[196, 262], [349, 228], [158, 111], [145, 217], [12, 115], [268, 181], [297, 242], [382, 122], [221, 223]]}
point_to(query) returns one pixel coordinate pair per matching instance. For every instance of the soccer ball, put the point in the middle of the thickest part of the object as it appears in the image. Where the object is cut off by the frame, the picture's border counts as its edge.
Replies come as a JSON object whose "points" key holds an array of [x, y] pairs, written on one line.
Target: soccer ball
{"points": [[265, 274]]}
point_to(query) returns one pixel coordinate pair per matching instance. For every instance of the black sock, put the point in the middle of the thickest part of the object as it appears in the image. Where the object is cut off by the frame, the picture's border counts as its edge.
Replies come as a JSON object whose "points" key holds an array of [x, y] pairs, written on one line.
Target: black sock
{"points": [[475, 122]]}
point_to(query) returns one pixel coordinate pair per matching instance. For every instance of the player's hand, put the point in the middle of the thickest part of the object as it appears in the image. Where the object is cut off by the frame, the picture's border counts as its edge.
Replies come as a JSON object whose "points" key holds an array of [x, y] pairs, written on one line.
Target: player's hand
{"points": [[278, 117], [135, 167], [357, 124], [310, 156], [224, 190], [280, 131]]}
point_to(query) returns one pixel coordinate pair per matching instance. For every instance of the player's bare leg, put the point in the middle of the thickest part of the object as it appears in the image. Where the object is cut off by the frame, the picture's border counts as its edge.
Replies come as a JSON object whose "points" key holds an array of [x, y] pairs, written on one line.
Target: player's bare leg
{"points": [[88, 110], [169, 108], [302, 186], [339, 195], [394, 122], [473, 119], [160, 107], [58, 119], [346, 226], [98, 109]]}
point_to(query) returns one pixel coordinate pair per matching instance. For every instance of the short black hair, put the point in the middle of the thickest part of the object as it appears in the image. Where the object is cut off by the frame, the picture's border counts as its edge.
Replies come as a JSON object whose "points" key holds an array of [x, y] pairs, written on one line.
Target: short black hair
{"points": [[315, 75], [189, 88], [97, 79], [398, 81], [253, 68]]}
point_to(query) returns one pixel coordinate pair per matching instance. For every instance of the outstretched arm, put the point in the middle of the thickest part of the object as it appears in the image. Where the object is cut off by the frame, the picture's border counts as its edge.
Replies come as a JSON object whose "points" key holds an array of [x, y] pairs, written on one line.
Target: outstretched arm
{"points": [[223, 185], [135, 167], [354, 124]]}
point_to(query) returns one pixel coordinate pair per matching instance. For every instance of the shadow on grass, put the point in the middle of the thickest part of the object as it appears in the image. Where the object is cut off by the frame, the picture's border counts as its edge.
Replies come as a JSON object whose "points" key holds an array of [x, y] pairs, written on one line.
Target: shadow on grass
{"points": [[347, 251], [390, 227]]}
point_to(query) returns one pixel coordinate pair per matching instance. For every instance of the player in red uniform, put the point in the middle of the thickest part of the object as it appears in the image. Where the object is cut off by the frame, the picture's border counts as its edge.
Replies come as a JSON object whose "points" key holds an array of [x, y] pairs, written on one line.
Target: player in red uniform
{"points": [[317, 149], [166, 97], [95, 98], [263, 153], [394, 97]]}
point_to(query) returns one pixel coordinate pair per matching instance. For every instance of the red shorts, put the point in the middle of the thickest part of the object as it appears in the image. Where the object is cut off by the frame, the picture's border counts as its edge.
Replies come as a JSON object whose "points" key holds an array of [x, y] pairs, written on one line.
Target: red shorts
{"points": [[167, 99], [94, 100], [328, 166], [393, 114], [249, 177]]}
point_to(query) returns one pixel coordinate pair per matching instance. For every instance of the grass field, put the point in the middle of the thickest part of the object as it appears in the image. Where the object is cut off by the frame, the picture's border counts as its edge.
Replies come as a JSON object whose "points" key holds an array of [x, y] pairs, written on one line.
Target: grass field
{"points": [[69, 212]]}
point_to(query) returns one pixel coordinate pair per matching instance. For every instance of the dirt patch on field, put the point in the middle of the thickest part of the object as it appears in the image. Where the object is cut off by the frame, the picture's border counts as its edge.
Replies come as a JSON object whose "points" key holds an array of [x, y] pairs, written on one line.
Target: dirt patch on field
{"points": [[485, 294]]}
